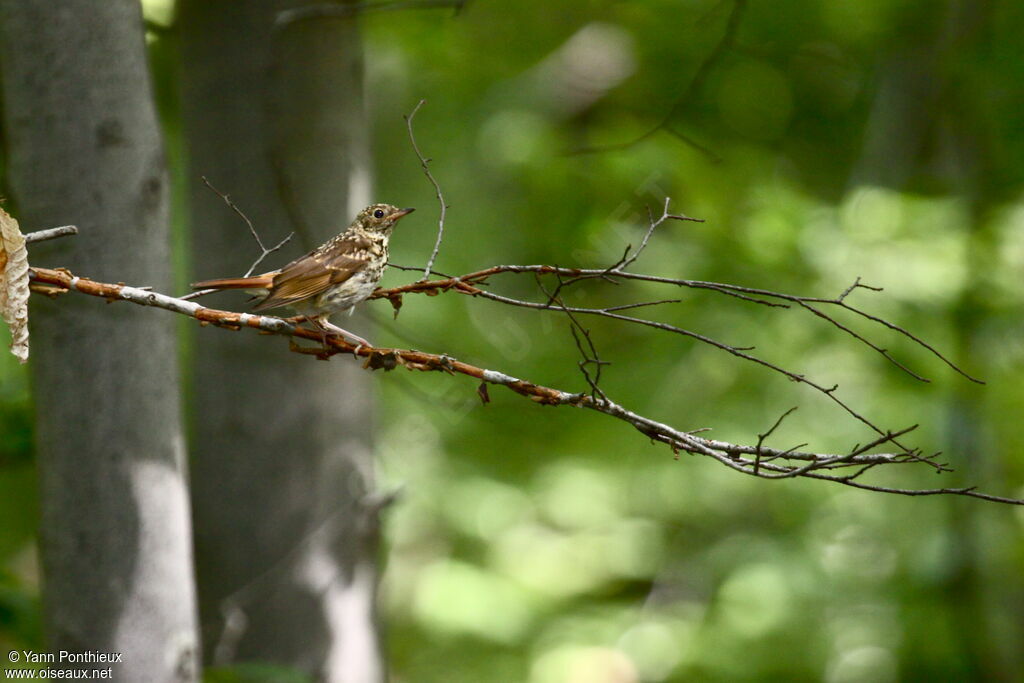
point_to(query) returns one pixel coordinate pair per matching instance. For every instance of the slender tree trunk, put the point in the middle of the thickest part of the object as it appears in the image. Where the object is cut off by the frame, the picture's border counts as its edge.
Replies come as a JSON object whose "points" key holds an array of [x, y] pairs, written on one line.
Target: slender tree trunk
{"points": [[284, 538], [84, 147]]}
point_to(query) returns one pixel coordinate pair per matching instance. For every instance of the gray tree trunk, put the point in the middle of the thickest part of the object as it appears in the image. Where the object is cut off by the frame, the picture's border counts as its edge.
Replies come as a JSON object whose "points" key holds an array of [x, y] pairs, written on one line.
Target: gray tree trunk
{"points": [[285, 538], [84, 147]]}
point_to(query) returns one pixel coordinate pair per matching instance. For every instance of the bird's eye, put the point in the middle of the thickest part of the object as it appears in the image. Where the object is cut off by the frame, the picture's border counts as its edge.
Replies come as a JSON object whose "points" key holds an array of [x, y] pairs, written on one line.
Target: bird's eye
{"points": [[378, 213]]}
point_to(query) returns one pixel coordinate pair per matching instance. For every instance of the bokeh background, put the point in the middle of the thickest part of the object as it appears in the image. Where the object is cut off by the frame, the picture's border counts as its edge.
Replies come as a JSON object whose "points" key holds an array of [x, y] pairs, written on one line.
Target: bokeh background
{"points": [[821, 140]]}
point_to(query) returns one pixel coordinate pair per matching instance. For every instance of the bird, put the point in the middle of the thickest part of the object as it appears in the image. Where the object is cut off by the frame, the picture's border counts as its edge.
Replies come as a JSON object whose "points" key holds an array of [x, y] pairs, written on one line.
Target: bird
{"points": [[332, 278]]}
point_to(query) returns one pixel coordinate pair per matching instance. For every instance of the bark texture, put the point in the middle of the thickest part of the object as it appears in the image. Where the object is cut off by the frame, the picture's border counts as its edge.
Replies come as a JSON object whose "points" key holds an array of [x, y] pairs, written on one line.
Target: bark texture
{"points": [[83, 147], [285, 541]]}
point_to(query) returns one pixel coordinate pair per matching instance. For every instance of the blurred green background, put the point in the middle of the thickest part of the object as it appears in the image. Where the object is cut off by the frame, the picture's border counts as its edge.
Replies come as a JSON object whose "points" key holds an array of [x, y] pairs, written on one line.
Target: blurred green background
{"points": [[827, 140]]}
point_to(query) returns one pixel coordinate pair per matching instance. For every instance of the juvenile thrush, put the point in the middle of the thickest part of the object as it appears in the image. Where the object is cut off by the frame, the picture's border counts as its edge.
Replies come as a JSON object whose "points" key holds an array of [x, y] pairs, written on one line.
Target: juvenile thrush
{"points": [[333, 277]]}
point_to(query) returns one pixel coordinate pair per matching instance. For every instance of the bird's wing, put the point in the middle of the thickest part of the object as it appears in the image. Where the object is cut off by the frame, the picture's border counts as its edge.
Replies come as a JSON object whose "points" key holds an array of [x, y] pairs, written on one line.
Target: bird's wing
{"points": [[312, 274]]}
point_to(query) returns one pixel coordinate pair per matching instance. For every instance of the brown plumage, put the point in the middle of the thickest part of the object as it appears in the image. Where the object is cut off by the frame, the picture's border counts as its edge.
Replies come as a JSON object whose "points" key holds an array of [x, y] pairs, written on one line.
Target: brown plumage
{"points": [[332, 278], [254, 282]]}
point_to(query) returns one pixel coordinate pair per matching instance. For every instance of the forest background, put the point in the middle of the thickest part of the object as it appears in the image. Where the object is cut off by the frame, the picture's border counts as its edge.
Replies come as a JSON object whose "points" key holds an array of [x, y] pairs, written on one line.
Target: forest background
{"points": [[820, 141]]}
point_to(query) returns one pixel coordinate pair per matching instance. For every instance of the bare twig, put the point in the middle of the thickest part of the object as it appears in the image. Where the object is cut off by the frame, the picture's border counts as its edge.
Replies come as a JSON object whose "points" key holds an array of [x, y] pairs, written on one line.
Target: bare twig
{"points": [[587, 358], [756, 460], [267, 252], [761, 438], [652, 225], [264, 251], [329, 10], [684, 98], [468, 284], [471, 283], [50, 233], [425, 164], [641, 304], [252, 229]]}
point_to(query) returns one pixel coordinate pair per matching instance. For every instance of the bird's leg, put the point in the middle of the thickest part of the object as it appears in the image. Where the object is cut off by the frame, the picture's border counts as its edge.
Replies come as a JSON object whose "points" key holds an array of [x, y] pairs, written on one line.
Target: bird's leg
{"points": [[325, 325], [319, 324]]}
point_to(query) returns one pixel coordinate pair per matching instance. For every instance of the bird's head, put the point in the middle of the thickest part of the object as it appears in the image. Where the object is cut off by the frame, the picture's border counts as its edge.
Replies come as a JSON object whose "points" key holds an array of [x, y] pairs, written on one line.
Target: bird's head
{"points": [[380, 217]]}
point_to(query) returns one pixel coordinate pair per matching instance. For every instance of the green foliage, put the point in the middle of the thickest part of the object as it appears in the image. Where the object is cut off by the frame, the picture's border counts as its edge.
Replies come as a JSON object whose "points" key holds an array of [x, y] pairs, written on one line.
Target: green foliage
{"points": [[549, 545], [254, 673], [20, 623], [19, 593]]}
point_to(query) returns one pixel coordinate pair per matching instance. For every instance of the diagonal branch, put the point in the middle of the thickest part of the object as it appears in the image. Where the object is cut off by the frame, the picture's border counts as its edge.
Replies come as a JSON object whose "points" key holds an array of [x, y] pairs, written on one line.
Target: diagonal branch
{"points": [[755, 460]]}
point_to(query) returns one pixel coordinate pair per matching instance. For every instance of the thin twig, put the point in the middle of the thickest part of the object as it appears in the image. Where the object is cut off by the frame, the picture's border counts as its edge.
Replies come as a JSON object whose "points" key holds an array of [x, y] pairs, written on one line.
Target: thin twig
{"points": [[466, 284], [688, 94], [267, 252], [652, 225], [761, 437], [591, 358], [264, 251], [328, 10], [50, 234], [755, 295], [252, 229], [425, 164], [641, 304]]}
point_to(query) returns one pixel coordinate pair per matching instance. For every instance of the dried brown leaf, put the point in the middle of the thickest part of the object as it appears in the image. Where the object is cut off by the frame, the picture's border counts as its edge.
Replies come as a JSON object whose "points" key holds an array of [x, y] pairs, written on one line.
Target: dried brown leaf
{"points": [[396, 303], [14, 286], [385, 361]]}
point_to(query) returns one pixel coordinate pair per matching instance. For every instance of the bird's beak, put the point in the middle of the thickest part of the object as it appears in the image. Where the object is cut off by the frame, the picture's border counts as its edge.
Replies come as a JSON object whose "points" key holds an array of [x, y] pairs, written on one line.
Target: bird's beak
{"points": [[403, 212]]}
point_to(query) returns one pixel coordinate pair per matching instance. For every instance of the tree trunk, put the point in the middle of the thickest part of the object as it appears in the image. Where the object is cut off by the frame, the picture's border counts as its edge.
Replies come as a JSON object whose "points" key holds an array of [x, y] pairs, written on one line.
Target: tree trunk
{"points": [[84, 148], [285, 539]]}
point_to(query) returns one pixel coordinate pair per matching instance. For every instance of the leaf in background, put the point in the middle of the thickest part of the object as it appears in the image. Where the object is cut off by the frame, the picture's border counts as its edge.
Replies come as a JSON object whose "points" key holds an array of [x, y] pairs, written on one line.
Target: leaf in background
{"points": [[14, 284]]}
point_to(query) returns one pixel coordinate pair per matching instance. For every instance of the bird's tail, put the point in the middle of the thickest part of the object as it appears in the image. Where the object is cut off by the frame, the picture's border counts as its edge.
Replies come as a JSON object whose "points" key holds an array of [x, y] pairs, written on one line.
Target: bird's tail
{"points": [[255, 282]]}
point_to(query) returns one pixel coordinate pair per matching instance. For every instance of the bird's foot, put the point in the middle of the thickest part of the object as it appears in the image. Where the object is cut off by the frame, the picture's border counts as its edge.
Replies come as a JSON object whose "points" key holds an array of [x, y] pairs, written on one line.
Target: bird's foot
{"points": [[355, 338]]}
